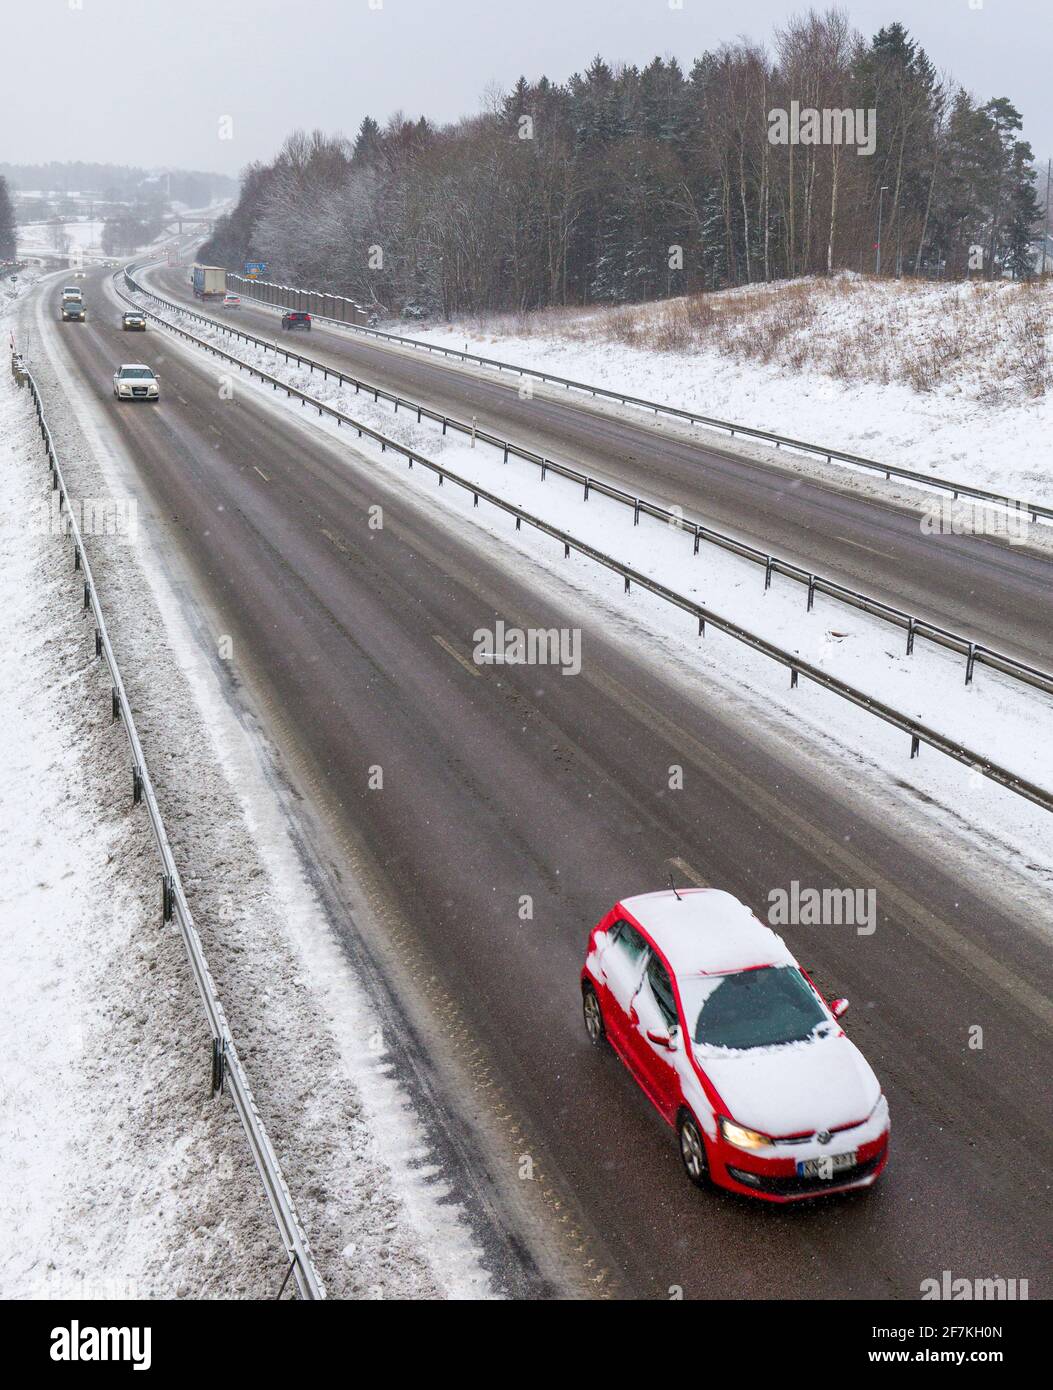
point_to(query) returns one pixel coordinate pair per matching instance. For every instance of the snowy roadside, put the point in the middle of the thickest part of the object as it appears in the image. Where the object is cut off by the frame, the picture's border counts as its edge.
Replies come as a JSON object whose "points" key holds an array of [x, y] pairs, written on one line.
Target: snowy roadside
{"points": [[947, 431], [119, 1176], [941, 797], [883, 423], [994, 715], [376, 1210]]}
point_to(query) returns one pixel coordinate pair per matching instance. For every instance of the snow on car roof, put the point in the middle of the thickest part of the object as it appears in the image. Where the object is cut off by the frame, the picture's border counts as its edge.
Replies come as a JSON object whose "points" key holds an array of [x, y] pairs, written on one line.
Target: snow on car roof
{"points": [[706, 931]]}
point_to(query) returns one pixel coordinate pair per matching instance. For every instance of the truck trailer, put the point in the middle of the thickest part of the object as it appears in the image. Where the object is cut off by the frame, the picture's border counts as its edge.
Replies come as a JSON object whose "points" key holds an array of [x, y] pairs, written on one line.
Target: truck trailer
{"points": [[209, 281]]}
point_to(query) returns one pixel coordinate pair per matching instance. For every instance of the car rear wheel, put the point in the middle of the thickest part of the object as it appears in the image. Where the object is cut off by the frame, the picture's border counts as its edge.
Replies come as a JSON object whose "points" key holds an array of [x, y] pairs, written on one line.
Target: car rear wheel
{"points": [[693, 1149], [593, 1015]]}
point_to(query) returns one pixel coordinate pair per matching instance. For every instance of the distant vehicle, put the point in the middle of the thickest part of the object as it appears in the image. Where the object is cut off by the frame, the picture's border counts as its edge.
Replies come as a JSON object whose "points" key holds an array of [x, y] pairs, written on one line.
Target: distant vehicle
{"points": [[294, 318], [231, 301], [733, 1044], [209, 281], [135, 381], [134, 320], [73, 310]]}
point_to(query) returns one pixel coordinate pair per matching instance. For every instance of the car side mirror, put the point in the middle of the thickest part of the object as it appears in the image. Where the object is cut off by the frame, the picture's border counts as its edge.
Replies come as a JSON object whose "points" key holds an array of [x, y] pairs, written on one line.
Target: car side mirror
{"points": [[838, 1007], [661, 1039]]}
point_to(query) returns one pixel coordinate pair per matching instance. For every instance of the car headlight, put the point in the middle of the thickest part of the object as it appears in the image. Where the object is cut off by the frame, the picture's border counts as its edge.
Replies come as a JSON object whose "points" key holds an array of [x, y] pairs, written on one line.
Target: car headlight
{"points": [[741, 1137]]}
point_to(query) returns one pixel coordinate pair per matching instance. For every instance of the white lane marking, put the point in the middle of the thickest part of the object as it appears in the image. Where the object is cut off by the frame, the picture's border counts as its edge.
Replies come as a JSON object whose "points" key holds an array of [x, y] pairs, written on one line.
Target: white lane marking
{"points": [[688, 872], [262, 474], [452, 651], [860, 546]]}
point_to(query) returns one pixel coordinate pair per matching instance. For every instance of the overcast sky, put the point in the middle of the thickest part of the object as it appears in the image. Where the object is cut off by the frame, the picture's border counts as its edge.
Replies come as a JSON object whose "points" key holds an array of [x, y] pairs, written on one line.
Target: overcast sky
{"points": [[147, 82]]}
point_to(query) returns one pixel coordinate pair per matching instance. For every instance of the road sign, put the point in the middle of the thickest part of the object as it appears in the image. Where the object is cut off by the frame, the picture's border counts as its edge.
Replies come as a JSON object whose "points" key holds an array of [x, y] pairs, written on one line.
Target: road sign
{"points": [[254, 268]]}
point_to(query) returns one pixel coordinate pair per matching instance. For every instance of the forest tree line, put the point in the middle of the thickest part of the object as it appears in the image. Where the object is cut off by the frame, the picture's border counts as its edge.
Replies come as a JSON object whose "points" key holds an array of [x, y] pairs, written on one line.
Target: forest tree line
{"points": [[625, 184]]}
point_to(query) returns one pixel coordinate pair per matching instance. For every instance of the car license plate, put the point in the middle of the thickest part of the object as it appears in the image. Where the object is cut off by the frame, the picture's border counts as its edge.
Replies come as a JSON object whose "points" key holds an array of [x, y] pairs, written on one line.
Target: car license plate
{"points": [[826, 1167]]}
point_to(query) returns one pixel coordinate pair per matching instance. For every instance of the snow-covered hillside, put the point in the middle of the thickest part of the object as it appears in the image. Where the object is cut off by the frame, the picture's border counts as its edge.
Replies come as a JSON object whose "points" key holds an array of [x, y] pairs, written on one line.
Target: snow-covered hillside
{"points": [[956, 378]]}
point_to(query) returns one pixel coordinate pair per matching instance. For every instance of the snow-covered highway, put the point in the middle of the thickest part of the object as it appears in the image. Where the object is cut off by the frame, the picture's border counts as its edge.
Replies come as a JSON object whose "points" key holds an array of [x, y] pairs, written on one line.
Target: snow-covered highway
{"points": [[352, 651]]}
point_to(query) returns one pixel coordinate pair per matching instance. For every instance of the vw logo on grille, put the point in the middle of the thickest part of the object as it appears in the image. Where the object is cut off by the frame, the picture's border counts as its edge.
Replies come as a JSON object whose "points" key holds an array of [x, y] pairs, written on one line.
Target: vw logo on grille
{"points": [[824, 1136]]}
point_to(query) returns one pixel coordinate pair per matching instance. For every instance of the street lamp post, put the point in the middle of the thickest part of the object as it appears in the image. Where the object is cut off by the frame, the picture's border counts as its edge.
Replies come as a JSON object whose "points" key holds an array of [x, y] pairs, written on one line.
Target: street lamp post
{"points": [[880, 203]]}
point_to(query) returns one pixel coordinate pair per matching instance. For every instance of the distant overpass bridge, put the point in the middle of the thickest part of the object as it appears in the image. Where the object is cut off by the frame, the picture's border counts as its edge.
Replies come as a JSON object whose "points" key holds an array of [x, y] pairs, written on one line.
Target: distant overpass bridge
{"points": [[173, 222]]}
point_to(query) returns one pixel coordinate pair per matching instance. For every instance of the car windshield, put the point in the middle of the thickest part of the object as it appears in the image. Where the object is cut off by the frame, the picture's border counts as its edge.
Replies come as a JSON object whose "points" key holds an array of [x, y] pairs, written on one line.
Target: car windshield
{"points": [[752, 1008], [136, 372]]}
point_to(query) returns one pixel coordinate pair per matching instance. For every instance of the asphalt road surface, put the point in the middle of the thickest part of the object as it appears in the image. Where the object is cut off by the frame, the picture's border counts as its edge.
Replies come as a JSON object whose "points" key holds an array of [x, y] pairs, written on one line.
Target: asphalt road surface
{"points": [[986, 589], [354, 644]]}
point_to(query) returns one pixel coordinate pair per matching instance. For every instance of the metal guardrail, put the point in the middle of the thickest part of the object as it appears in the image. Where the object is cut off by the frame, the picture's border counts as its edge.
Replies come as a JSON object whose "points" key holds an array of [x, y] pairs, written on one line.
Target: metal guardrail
{"points": [[976, 653], [919, 733], [1036, 510], [228, 1072]]}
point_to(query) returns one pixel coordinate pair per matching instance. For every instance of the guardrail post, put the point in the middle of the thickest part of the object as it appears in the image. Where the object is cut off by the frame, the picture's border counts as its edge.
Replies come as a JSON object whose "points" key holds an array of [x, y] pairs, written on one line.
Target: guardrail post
{"points": [[167, 896], [915, 745], [288, 1272], [793, 677], [115, 706], [701, 627], [219, 1065], [636, 512], [811, 592], [87, 595], [911, 626], [698, 538], [98, 642], [137, 786], [970, 664], [767, 572]]}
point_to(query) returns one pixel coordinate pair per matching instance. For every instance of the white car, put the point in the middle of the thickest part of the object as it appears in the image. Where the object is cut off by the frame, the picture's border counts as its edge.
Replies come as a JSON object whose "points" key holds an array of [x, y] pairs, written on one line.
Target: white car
{"points": [[232, 301], [137, 382]]}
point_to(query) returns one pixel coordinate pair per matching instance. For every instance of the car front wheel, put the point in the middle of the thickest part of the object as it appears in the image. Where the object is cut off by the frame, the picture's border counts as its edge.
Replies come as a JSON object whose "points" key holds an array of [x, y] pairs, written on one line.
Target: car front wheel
{"points": [[693, 1150], [593, 1015]]}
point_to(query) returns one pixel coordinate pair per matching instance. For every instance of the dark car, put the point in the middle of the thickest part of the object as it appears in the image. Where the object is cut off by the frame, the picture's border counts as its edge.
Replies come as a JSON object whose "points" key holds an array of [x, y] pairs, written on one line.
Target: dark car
{"points": [[73, 311], [293, 318], [134, 320]]}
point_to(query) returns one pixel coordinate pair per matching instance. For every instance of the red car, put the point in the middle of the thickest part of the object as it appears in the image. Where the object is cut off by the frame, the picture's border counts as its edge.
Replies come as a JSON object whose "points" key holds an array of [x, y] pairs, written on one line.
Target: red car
{"points": [[735, 1046]]}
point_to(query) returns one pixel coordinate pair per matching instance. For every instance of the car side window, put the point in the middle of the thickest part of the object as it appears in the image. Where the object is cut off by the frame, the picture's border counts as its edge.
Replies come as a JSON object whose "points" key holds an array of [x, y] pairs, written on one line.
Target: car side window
{"points": [[662, 989], [628, 940]]}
